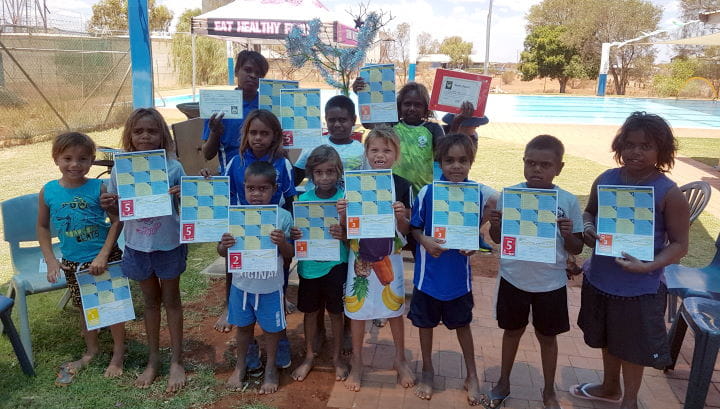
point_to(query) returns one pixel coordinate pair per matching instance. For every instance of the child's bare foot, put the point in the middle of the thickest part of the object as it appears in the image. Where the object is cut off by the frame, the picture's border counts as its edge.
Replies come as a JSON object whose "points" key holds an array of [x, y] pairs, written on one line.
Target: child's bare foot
{"points": [[341, 370], [472, 387], [352, 382], [222, 325], [149, 374], [271, 381], [405, 377], [177, 378], [235, 381], [424, 389], [114, 369], [303, 370], [550, 399]]}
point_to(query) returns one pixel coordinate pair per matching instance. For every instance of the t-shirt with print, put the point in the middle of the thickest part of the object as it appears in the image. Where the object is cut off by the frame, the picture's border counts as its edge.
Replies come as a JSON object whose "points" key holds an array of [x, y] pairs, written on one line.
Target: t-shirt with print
{"points": [[313, 269], [154, 233], [77, 216], [265, 282], [536, 277], [416, 152], [230, 139], [351, 154]]}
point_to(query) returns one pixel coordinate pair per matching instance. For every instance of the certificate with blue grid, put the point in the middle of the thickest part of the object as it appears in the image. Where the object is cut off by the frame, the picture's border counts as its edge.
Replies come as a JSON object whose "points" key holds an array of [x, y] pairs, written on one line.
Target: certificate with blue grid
{"points": [[269, 94], [253, 251], [300, 118], [370, 195], [626, 221], [313, 219], [204, 207], [456, 214], [142, 183], [377, 101], [106, 297], [529, 224]]}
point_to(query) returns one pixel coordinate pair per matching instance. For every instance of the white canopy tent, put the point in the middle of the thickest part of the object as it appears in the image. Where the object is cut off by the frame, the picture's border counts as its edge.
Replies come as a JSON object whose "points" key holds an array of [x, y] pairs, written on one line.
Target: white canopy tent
{"points": [[267, 22]]}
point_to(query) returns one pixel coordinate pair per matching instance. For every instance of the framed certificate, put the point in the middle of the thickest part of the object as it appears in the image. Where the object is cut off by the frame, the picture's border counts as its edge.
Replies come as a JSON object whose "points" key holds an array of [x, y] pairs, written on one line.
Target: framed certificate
{"points": [[452, 88], [221, 101]]}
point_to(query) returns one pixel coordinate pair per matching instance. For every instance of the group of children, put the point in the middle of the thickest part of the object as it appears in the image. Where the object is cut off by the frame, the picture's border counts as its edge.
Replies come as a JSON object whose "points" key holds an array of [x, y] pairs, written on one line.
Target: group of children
{"points": [[622, 298]]}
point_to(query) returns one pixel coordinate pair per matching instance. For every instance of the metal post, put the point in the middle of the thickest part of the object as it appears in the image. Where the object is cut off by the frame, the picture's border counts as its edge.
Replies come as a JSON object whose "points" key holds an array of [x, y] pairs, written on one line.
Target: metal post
{"points": [[194, 70], [140, 54], [604, 67], [486, 68], [230, 62]]}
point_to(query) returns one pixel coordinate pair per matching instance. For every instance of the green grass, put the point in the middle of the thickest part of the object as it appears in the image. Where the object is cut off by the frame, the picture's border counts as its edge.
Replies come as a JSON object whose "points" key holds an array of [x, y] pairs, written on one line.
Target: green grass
{"points": [[56, 340], [703, 150]]}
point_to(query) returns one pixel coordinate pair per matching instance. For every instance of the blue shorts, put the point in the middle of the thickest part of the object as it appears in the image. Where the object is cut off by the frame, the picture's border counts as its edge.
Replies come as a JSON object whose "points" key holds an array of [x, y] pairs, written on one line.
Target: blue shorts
{"points": [[165, 265], [427, 311], [246, 308]]}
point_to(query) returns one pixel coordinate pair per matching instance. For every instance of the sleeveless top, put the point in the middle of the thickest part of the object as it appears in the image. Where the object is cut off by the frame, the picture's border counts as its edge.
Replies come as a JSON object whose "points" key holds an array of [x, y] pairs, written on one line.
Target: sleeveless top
{"points": [[76, 214], [604, 273]]}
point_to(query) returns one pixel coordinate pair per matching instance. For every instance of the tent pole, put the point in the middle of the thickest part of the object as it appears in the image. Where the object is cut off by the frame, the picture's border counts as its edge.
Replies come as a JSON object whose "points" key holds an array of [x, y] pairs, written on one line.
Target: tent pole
{"points": [[192, 48]]}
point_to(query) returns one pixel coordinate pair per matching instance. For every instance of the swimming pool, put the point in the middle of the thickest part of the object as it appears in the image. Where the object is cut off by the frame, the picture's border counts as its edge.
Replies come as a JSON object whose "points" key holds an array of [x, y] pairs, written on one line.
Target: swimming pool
{"points": [[544, 109]]}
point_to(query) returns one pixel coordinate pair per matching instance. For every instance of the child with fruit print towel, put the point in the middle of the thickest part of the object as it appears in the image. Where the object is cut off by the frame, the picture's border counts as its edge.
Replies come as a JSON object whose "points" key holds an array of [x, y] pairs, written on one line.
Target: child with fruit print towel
{"points": [[442, 276], [375, 284]]}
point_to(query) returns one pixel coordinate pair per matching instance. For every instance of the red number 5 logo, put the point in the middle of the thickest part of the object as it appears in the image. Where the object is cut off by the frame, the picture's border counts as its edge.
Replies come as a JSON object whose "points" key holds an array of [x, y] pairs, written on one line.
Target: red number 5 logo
{"points": [[127, 208], [508, 246]]}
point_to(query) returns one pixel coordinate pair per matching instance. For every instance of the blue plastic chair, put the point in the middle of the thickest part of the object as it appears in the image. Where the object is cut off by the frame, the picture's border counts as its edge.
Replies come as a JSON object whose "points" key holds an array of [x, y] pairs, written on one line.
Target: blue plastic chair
{"points": [[19, 217], [701, 315], [9, 330], [686, 282]]}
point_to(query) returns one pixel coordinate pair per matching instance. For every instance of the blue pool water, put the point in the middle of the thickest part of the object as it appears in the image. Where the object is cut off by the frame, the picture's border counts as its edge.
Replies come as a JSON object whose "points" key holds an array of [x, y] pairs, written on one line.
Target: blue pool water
{"points": [[573, 110]]}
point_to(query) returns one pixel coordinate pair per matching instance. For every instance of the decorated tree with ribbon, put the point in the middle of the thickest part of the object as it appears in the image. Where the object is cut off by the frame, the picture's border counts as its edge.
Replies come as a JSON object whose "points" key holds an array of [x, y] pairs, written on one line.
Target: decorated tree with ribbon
{"points": [[334, 63]]}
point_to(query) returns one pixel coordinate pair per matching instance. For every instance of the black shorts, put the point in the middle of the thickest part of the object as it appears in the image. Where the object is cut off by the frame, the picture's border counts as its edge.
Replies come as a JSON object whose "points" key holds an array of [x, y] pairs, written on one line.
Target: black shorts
{"points": [[631, 328], [549, 309], [427, 311], [326, 292]]}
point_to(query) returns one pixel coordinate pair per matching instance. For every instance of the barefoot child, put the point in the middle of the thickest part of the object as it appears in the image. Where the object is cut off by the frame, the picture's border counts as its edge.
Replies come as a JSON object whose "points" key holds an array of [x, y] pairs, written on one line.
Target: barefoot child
{"points": [[442, 276], [261, 142], [259, 299], [321, 282], [375, 286], [153, 255], [540, 287], [623, 299], [87, 241]]}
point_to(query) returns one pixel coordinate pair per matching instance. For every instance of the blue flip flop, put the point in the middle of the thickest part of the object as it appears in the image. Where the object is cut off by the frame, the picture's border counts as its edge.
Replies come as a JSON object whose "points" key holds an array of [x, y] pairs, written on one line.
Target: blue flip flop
{"points": [[493, 401]]}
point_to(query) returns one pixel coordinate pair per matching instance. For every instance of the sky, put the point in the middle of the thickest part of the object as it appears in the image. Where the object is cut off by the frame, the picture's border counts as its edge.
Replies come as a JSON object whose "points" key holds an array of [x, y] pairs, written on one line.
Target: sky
{"points": [[440, 18]]}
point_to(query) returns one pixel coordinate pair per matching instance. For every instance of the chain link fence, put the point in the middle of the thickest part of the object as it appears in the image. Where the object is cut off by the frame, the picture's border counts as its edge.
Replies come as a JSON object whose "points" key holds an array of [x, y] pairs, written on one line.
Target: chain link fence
{"points": [[50, 83]]}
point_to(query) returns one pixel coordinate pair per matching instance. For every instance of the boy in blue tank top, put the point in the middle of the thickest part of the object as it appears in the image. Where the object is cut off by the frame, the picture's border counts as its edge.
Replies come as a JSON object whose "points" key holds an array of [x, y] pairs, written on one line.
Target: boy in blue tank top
{"points": [[71, 205]]}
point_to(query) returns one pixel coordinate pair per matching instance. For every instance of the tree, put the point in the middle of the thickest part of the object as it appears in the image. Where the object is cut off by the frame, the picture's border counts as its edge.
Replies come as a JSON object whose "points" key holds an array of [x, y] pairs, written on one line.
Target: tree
{"points": [[111, 15], [547, 56], [589, 23], [336, 64], [669, 83], [426, 44], [690, 10], [399, 50], [458, 51], [210, 55]]}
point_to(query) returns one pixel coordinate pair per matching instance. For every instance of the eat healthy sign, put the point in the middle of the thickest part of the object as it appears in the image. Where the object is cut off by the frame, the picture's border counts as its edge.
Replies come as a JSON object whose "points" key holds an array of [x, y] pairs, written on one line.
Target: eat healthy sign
{"points": [[275, 29]]}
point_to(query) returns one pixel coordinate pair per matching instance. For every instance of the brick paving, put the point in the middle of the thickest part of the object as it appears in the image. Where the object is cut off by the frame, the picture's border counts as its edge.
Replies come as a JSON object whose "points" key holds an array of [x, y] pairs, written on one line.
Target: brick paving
{"points": [[577, 363]]}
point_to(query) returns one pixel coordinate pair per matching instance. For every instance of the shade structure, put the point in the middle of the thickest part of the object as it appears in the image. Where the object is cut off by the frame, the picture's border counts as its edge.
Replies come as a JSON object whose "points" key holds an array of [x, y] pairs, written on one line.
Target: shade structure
{"points": [[706, 40]]}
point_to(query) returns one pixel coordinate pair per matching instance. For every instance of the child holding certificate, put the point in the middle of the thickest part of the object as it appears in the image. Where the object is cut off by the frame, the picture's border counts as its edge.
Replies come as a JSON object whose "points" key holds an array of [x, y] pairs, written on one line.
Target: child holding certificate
{"points": [[533, 285], [442, 276], [153, 254], [259, 299], [375, 286], [72, 205], [222, 136], [623, 298], [321, 282]]}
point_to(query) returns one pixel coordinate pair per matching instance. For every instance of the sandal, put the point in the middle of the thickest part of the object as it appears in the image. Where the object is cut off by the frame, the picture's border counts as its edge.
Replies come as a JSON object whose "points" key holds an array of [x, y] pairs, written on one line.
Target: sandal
{"points": [[66, 375], [491, 401]]}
